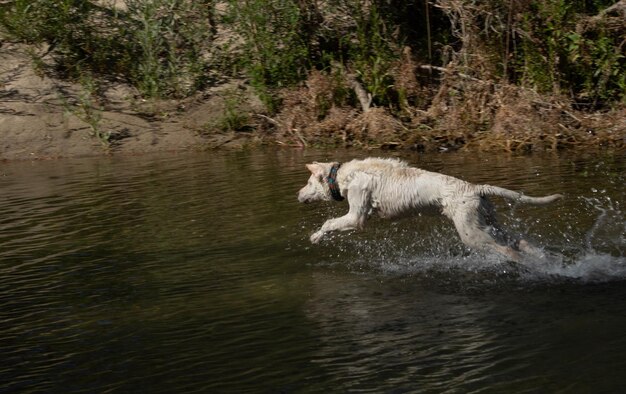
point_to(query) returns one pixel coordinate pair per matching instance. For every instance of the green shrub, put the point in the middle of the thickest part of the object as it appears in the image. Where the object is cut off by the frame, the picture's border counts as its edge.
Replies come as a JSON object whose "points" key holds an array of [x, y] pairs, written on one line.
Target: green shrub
{"points": [[233, 119], [171, 39], [88, 110], [567, 51], [373, 55], [158, 45], [273, 53]]}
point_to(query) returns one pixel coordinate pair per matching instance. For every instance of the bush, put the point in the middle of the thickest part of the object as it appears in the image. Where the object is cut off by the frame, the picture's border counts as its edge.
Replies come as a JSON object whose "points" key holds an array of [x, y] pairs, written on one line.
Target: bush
{"points": [[165, 47], [273, 53], [558, 47], [171, 39], [157, 45]]}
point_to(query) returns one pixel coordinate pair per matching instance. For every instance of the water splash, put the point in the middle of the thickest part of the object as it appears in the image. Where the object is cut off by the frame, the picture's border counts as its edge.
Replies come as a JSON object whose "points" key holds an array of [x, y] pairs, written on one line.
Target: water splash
{"points": [[589, 268], [601, 256], [595, 255]]}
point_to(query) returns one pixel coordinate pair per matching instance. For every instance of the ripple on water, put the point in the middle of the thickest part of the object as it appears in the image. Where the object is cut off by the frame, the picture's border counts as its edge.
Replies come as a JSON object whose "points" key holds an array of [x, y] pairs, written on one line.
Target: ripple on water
{"points": [[194, 273]]}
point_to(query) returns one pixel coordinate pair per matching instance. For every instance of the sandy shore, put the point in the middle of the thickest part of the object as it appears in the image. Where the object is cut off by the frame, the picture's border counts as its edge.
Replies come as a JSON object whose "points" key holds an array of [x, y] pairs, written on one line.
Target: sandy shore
{"points": [[43, 117]]}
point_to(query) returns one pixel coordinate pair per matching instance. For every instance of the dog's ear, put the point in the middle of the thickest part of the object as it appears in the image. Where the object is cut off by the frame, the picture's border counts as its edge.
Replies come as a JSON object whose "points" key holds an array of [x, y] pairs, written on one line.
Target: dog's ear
{"points": [[316, 169]]}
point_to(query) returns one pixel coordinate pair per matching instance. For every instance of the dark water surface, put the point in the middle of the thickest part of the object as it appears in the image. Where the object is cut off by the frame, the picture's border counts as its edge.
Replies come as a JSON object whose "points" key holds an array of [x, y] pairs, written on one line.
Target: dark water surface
{"points": [[193, 273]]}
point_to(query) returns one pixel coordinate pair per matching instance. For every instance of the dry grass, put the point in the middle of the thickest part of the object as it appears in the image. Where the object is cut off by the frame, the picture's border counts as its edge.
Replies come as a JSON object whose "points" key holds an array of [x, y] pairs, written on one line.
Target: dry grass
{"points": [[315, 114], [464, 113]]}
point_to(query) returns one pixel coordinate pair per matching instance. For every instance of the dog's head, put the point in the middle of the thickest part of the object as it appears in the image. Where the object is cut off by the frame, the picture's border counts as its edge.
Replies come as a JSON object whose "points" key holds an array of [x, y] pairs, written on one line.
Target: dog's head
{"points": [[316, 188]]}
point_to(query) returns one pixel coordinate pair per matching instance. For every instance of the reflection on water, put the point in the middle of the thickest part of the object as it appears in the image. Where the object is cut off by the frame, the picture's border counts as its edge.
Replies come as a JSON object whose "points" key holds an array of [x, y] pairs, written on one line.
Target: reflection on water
{"points": [[194, 273]]}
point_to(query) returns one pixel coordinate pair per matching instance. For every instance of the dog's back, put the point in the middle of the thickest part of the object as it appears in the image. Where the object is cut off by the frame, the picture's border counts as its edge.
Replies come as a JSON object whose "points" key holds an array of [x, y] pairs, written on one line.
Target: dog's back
{"points": [[394, 186], [375, 164]]}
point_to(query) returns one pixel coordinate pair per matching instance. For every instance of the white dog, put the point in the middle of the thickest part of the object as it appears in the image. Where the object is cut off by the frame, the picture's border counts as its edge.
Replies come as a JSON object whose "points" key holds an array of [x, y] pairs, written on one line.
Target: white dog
{"points": [[391, 188]]}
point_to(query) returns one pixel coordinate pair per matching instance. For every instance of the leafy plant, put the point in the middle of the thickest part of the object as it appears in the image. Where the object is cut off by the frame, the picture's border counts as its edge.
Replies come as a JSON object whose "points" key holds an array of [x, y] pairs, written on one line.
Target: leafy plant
{"points": [[373, 56], [273, 53], [566, 51], [233, 119], [88, 111], [170, 38], [156, 44]]}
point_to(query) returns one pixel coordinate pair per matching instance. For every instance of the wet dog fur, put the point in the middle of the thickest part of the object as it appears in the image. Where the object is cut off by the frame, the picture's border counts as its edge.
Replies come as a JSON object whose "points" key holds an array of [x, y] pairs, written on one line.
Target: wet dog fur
{"points": [[391, 188]]}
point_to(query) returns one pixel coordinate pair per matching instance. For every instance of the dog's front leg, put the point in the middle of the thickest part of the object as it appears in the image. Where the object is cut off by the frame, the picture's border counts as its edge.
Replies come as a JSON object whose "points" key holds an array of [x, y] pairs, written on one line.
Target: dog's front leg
{"points": [[342, 223], [359, 199]]}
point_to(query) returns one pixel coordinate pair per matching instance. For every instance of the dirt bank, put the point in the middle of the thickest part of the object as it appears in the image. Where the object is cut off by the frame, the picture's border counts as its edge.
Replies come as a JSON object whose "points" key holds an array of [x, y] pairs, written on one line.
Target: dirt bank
{"points": [[43, 117]]}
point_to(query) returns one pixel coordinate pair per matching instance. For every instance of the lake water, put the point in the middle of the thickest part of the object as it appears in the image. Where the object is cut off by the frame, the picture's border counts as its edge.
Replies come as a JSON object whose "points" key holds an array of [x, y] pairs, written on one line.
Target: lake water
{"points": [[194, 273]]}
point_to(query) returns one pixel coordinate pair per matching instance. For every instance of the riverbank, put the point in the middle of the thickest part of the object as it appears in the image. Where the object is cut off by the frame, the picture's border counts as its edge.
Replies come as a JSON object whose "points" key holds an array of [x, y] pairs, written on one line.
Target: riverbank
{"points": [[43, 117]]}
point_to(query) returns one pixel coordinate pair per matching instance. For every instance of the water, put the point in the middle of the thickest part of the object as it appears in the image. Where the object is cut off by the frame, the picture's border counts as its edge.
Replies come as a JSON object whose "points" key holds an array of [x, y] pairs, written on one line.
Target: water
{"points": [[193, 273]]}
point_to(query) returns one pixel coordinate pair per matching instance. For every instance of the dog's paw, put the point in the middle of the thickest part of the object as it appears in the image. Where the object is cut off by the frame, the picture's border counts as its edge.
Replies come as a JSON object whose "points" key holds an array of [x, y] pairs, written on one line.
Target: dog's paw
{"points": [[316, 237]]}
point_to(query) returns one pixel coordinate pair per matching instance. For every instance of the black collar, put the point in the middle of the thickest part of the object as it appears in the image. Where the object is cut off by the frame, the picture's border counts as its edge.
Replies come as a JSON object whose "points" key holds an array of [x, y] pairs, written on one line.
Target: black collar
{"points": [[331, 179]]}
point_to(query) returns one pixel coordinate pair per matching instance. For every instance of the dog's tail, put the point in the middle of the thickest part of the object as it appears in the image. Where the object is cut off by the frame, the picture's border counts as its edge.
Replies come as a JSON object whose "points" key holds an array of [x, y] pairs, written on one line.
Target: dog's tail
{"points": [[488, 190]]}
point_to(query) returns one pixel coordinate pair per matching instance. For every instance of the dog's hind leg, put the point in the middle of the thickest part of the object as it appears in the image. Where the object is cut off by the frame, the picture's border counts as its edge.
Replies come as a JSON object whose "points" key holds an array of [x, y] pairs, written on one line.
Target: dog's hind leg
{"points": [[530, 249], [476, 223], [482, 239], [505, 251], [358, 195]]}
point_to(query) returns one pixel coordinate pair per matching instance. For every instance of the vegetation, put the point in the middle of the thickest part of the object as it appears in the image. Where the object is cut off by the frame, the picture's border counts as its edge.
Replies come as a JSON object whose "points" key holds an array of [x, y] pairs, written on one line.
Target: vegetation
{"points": [[419, 73], [89, 112], [156, 45]]}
